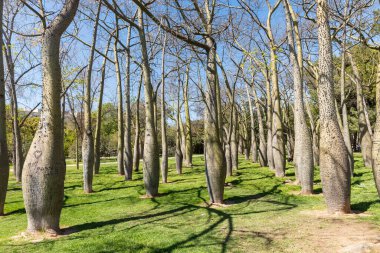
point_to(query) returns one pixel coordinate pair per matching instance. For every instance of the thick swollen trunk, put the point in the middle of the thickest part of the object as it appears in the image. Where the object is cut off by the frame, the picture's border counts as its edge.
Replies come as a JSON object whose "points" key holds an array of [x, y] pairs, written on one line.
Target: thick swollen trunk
{"points": [[189, 140], [151, 157], [4, 164], [365, 137], [44, 168], [88, 138], [215, 159], [164, 138], [99, 115], [262, 142], [334, 164], [303, 144], [376, 135]]}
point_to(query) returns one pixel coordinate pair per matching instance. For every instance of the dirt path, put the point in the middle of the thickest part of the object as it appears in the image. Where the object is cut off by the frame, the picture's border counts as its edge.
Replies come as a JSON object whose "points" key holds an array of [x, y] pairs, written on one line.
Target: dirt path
{"points": [[325, 233]]}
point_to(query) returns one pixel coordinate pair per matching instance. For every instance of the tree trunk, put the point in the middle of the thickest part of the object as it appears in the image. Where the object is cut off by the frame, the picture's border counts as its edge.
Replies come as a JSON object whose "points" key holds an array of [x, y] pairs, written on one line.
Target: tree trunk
{"points": [[99, 113], [365, 138], [4, 163], [376, 134], [303, 145], [18, 158], [345, 127], [334, 164], [151, 157], [269, 125], [164, 138], [44, 168], [234, 141], [136, 147], [189, 139], [215, 159], [88, 138], [178, 146], [120, 118], [253, 134], [278, 145], [262, 145]]}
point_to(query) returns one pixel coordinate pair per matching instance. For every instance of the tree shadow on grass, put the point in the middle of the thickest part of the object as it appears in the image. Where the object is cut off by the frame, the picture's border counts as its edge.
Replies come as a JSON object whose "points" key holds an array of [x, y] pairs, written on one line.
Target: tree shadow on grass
{"points": [[364, 206]]}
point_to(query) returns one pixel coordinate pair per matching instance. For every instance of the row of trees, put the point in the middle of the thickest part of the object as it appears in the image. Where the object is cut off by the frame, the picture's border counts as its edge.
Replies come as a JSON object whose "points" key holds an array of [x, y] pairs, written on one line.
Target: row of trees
{"points": [[271, 87]]}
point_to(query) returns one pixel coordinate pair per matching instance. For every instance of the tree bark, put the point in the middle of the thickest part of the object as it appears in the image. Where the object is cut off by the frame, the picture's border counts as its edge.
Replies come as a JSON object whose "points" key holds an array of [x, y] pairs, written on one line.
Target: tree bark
{"points": [[334, 164], [4, 163], [269, 125], [215, 159], [262, 143], [99, 113], [303, 145], [376, 134], [128, 158], [189, 138], [365, 137], [136, 147], [178, 146], [164, 138], [253, 134], [18, 157], [120, 118], [88, 138], [151, 157], [44, 168]]}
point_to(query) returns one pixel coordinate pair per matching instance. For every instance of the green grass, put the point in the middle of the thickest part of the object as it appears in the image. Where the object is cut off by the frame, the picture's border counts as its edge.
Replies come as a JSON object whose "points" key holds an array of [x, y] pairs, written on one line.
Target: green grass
{"points": [[116, 219]]}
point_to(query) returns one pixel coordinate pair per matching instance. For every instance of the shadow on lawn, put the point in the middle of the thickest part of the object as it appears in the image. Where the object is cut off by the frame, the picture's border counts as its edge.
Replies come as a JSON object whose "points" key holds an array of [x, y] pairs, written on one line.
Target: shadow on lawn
{"points": [[223, 217], [364, 206]]}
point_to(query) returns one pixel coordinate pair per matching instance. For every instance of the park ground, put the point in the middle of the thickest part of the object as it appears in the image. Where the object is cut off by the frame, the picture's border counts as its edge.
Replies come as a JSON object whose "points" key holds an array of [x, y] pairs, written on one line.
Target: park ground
{"points": [[261, 214]]}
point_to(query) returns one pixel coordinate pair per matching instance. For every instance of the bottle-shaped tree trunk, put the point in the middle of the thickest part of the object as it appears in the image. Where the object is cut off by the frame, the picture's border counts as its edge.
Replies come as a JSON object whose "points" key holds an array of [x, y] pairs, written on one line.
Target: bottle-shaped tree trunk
{"points": [[136, 146], [215, 159], [151, 157], [44, 168], [303, 141], [334, 164]]}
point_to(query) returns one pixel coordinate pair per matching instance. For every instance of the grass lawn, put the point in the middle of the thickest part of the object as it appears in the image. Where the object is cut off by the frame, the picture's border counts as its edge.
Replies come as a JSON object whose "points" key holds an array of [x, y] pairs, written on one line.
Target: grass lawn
{"points": [[263, 213]]}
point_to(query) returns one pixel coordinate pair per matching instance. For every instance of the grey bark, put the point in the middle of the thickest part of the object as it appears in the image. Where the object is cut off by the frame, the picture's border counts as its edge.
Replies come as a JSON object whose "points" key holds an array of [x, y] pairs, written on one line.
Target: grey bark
{"points": [[303, 144], [253, 134], [164, 140], [365, 137], [136, 146], [120, 118], [189, 138], [151, 157], [99, 113], [334, 164], [44, 168], [88, 138], [178, 146]]}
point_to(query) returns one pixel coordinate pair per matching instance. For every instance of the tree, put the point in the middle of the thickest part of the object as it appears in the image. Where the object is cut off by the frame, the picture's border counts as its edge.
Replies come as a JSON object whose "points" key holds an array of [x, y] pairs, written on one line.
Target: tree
{"points": [[44, 168], [304, 154], [4, 164], [88, 138], [334, 164]]}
